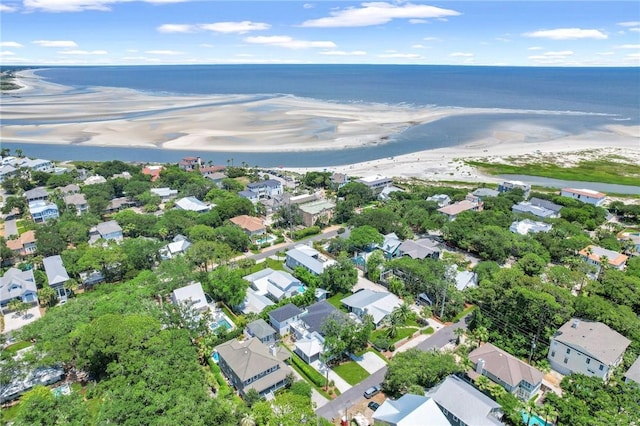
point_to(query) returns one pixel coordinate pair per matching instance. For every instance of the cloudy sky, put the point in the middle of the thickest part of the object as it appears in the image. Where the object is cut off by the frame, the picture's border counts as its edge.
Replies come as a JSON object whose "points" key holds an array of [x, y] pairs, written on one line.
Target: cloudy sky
{"points": [[509, 32]]}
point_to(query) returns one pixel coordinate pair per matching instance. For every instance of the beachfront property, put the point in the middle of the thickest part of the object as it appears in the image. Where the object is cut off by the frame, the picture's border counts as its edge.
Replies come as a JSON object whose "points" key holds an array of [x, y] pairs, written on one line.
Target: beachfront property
{"points": [[192, 204], [307, 258], [482, 193], [42, 211], [378, 304], [338, 180], [190, 164], [216, 177], [17, 285], [24, 245], [36, 194], [376, 183], [471, 203], [7, 171], [549, 205], [165, 193], [109, 230], [276, 285], [316, 210], [507, 186], [409, 410], [595, 255], [210, 171], [57, 275], [94, 180], [282, 318], [385, 194], [585, 195], [440, 199], [250, 195], [528, 226], [266, 188], [251, 225], [78, 202], [177, 247], [262, 331], [463, 404], [515, 376], [527, 207], [250, 364], [586, 347], [190, 296], [419, 249]]}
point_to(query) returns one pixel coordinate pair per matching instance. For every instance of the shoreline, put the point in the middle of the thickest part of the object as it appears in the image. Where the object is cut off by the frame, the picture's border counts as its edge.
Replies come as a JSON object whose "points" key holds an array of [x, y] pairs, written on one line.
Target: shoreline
{"points": [[117, 117]]}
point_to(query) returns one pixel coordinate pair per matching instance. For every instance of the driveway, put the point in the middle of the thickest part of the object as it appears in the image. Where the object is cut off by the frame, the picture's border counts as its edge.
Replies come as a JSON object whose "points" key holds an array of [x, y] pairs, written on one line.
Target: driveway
{"points": [[10, 228], [369, 361], [340, 383], [328, 233], [14, 322]]}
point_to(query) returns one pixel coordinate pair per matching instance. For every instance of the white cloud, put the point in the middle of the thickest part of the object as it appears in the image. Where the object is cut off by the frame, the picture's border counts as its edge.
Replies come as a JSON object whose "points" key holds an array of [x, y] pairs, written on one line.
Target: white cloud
{"points": [[418, 21], [559, 53], [535, 48], [568, 34], [605, 53], [629, 24], [6, 53], [635, 29], [163, 52], [132, 50], [80, 5], [419, 46], [235, 27], [401, 55], [176, 28], [55, 43], [432, 39], [343, 53], [207, 45], [83, 52], [628, 46], [10, 44], [289, 42], [5, 8], [461, 55], [308, 6], [633, 55], [377, 13]]}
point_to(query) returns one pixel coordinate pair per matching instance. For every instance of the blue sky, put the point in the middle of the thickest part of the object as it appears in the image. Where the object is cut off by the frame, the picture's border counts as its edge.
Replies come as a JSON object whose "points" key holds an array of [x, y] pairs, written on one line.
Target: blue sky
{"points": [[115, 32]]}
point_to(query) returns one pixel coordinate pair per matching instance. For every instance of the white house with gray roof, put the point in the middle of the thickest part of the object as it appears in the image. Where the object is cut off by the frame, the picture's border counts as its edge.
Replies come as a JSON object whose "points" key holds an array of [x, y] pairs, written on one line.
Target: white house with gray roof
{"points": [[57, 275], [282, 318], [109, 230], [192, 296], [410, 410], [17, 284], [262, 331], [587, 196], [528, 226], [633, 373], [420, 249], [308, 258], [266, 188], [165, 194], [378, 304], [538, 211], [192, 204], [586, 347], [276, 285]]}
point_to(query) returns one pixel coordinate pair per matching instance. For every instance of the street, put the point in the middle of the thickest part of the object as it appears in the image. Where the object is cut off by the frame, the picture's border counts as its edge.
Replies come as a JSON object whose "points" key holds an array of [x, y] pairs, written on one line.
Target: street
{"points": [[286, 246], [336, 408]]}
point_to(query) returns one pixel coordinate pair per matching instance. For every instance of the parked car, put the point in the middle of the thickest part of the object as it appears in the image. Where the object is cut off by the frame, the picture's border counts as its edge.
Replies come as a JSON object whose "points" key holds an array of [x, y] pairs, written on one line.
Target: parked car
{"points": [[373, 405], [371, 392]]}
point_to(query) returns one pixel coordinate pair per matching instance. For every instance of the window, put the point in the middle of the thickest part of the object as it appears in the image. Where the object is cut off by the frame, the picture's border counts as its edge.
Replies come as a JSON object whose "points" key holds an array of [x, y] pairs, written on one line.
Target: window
{"points": [[553, 354], [601, 367], [566, 359], [568, 351], [588, 360]]}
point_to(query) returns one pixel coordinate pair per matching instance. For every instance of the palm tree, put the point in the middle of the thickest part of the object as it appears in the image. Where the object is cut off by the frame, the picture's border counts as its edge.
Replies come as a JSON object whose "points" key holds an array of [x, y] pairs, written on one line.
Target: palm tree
{"points": [[481, 334], [392, 331], [401, 314], [483, 383], [549, 412], [247, 420], [459, 332], [531, 405]]}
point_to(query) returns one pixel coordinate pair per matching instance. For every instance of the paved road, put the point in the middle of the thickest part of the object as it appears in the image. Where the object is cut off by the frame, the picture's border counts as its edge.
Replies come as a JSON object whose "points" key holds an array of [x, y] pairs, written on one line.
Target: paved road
{"points": [[286, 246], [336, 408]]}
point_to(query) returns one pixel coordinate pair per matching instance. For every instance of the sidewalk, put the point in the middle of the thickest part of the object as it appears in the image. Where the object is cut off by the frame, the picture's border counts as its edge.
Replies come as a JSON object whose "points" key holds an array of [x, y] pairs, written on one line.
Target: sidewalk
{"points": [[342, 385], [436, 325]]}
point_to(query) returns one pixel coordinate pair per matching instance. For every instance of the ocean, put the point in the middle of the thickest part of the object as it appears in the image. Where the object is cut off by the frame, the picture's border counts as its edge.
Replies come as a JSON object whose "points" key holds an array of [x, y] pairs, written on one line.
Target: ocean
{"points": [[598, 96]]}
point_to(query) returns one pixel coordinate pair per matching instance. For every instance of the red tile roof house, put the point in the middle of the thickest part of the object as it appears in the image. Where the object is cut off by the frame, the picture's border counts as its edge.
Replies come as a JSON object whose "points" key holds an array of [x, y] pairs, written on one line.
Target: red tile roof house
{"points": [[585, 195], [594, 255], [190, 163], [153, 171], [24, 245], [252, 226]]}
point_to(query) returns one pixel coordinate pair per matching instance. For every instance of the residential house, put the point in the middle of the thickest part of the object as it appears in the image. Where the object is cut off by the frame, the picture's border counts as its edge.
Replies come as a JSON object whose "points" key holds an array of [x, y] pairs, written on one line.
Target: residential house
{"points": [[254, 197], [42, 211], [516, 376], [276, 285], [375, 303], [526, 207], [390, 245], [191, 296], [70, 189], [308, 258], [118, 204], [320, 210], [23, 245], [539, 202], [255, 303], [91, 278], [252, 226], [586, 347], [262, 331], [483, 193], [153, 171], [178, 246], [124, 175], [469, 204], [78, 201], [585, 195], [633, 373], [376, 183], [464, 279], [165, 193], [440, 199], [515, 184], [338, 180], [409, 410], [107, 231], [594, 255], [57, 275], [216, 177], [190, 164], [192, 204], [315, 315], [93, 180], [7, 171], [250, 364], [36, 194], [309, 347], [385, 194], [17, 284], [420, 249], [210, 171], [633, 238], [20, 383], [528, 226], [282, 318], [266, 188], [38, 165]]}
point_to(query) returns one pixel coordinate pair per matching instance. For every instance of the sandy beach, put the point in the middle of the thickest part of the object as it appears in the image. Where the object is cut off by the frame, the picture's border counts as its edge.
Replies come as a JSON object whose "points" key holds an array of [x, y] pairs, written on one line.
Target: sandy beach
{"points": [[247, 123]]}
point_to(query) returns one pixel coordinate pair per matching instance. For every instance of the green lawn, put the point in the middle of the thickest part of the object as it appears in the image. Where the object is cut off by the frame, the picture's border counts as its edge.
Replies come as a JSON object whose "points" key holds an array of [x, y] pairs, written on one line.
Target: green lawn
{"points": [[378, 354], [402, 333], [351, 372], [13, 349], [428, 330], [335, 301], [463, 313], [274, 264]]}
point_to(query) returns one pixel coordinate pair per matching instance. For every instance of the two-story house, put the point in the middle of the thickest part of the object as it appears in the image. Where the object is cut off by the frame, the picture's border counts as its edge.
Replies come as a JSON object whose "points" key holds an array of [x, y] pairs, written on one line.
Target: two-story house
{"points": [[307, 258], [109, 230], [596, 255], [250, 364], [266, 188], [36, 194], [23, 245], [378, 304], [78, 201], [588, 196], [17, 285], [516, 376], [42, 211], [586, 347], [515, 184], [57, 275], [282, 318], [262, 331]]}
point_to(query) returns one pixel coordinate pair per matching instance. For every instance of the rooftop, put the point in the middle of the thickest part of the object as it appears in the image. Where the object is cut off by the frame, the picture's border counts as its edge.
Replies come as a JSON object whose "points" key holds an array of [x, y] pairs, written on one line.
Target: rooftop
{"points": [[593, 338], [260, 329], [269, 183], [316, 207], [459, 207], [586, 192], [285, 312], [504, 366], [251, 357], [248, 223], [596, 253], [191, 294], [410, 410], [633, 373], [55, 270]]}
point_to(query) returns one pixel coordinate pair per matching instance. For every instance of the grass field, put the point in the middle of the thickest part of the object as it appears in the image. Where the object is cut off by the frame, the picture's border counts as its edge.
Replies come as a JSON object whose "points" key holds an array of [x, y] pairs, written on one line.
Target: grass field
{"points": [[402, 333], [604, 170], [351, 372]]}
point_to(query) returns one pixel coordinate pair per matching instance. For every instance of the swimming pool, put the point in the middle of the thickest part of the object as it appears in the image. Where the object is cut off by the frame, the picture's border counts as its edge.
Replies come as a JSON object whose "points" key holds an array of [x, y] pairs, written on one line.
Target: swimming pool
{"points": [[61, 390], [266, 239], [535, 420], [222, 322]]}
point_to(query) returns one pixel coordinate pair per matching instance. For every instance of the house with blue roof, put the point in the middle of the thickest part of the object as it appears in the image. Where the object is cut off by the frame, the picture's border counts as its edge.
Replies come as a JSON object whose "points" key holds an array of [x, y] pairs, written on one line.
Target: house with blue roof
{"points": [[42, 211]]}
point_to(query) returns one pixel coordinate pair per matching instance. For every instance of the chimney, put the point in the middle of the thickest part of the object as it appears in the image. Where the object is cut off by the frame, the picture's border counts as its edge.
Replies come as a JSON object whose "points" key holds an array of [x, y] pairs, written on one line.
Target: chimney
{"points": [[575, 324], [480, 366], [274, 350]]}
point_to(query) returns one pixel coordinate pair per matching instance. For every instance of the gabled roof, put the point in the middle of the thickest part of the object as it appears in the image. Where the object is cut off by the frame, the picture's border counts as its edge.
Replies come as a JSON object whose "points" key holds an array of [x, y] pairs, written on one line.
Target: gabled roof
{"points": [[523, 227], [75, 199], [485, 192], [465, 402], [391, 243], [192, 204], [191, 294], [633, 373], [248, 223], [109, 227], [504, 366], [465, 279], [251, 357], [14, 283], [302, 256], [317, 314], [546, 204], [164, 192], [285, 312], [594, 339], [410, 410], [269, 183], [36, 193], [311, 344], [418, 249], [56, 272], [71, 188], [595, 253], [457, 208], [527, 207], [377, 303], [260, 329]]}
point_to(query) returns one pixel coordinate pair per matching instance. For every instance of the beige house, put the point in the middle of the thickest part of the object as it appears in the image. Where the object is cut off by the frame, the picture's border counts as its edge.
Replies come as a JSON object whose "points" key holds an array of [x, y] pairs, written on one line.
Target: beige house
{"points": [[252, 226], [315, 210]]}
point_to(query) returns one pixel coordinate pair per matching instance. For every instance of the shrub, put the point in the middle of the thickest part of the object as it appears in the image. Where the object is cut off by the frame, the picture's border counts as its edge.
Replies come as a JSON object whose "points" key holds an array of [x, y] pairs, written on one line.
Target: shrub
{"points": [[381, 343], [312, 230], [311, 374], [341, 230], [392, 348], [428, 330]]}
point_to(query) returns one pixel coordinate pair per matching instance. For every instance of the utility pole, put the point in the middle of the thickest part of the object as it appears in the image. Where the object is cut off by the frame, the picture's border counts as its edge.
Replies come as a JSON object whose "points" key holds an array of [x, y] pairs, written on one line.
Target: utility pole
{"points": [[533, 346], [444, 298]]}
